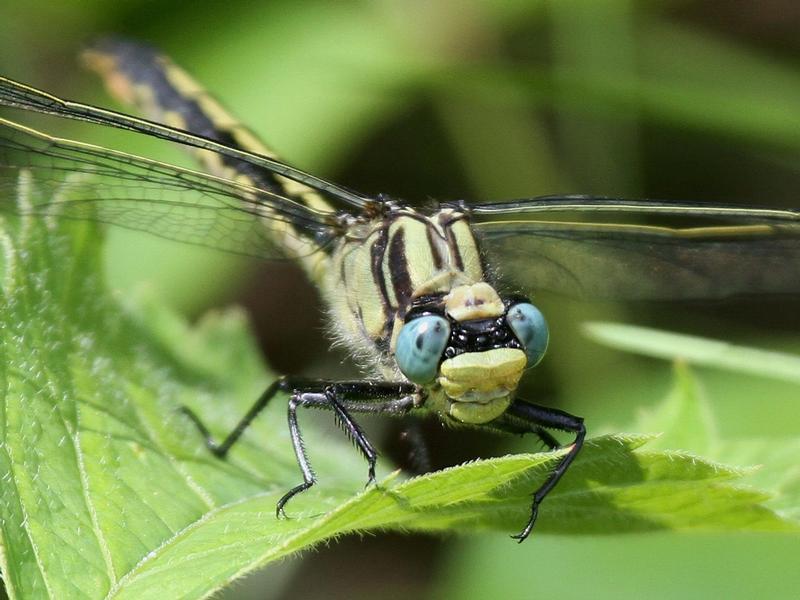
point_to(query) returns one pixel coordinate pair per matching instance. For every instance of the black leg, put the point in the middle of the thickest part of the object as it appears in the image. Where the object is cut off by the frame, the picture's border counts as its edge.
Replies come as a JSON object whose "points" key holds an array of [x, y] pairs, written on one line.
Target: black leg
{"points": [[309, 478], [364, 397], [546, 437], [340, 397], [537, 418], [519, 426], [354, 432], [221, 450]]}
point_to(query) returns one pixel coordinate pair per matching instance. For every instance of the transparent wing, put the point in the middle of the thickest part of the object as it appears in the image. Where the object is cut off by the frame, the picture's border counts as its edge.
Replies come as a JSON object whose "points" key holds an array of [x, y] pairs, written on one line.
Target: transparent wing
{"points": [[700, 251], [83, 181], [17, 95]]}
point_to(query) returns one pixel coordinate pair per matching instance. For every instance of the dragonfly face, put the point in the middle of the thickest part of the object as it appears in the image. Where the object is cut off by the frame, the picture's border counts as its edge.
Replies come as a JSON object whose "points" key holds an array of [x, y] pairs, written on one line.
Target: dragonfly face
{"points": [[470, 349], [412, 293], [409, 292]]}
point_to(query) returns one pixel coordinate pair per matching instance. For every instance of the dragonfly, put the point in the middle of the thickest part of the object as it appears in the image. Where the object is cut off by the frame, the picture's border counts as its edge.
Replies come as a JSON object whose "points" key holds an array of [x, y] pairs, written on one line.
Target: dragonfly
{"points": [[416, 294]]}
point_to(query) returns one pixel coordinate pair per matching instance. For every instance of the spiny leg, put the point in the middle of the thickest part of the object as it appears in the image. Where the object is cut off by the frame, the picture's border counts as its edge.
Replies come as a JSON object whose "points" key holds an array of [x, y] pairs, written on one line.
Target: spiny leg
{"points": [[354, 432], [364, 397], [327, 399], [518, 426], [340, 397], [547, 438], [537, 418]]}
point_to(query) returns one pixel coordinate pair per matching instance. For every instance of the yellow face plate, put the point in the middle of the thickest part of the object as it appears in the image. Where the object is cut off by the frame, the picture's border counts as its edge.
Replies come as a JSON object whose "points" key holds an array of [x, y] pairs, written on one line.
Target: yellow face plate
{"points": [[479, 385]]}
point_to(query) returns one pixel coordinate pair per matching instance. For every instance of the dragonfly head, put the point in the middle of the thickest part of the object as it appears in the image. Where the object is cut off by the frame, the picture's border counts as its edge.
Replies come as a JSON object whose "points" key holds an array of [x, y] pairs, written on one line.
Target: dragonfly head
{"points": [[472, 347]]}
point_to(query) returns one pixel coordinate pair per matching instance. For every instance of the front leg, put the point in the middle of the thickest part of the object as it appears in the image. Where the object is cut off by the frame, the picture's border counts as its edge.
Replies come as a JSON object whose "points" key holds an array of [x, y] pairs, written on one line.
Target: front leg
{"points": [[340, 397], [521, 415]]}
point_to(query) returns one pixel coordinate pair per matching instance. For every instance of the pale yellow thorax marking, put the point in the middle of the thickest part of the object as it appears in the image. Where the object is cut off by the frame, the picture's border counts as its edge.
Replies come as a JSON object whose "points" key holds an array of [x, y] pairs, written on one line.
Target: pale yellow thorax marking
{"points": [[362, 311]]}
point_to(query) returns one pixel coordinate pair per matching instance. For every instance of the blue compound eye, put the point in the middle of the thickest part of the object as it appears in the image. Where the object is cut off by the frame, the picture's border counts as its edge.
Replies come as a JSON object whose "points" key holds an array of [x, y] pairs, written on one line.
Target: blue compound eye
{"points": [[420, 346], [528, 324]]}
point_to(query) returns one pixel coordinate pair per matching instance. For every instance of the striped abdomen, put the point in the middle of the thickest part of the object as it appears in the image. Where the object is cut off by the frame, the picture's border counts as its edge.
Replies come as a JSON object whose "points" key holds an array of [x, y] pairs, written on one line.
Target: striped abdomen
{"points": [[137, 74]]}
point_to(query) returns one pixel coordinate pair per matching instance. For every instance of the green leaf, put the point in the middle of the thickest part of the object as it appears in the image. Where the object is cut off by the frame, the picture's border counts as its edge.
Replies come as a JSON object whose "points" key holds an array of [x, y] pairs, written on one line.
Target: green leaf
{"points": [[696, 350], [684, 417], [109, 492]]}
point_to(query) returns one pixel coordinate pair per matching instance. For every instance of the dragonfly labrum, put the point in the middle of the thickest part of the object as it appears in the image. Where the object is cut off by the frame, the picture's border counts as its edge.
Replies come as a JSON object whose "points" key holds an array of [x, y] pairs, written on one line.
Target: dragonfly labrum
{"points": [[415, 294]]}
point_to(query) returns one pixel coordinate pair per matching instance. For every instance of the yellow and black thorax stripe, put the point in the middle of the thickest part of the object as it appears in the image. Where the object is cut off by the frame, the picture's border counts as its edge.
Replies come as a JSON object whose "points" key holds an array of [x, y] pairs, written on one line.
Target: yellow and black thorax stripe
{"points": [[383, 265]]}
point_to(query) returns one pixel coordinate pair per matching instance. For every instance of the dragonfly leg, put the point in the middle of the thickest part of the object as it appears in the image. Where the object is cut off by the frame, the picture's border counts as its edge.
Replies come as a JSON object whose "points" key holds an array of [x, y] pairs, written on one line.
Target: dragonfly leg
{"points": [[520, 426], [221, 449], [354, 432], [309, 478], [537, 418], [547, 438], [340, 397], [363, 397]]}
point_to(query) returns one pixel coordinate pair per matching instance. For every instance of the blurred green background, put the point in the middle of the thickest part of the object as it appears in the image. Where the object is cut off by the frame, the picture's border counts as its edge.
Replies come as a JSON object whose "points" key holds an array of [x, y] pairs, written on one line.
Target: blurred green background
{"points": [[467, 99]]}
